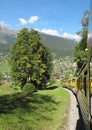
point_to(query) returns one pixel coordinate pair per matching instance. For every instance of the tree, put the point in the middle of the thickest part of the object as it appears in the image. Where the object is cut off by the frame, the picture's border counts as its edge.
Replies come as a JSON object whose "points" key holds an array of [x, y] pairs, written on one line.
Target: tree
{"points": [[30, 60], [80, 53]]}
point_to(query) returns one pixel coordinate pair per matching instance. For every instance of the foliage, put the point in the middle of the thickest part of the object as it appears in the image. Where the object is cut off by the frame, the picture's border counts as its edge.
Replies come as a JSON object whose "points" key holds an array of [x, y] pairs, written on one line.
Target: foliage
{"points": [[80, 56], [29, 88], [80, 53], [30, 60]]}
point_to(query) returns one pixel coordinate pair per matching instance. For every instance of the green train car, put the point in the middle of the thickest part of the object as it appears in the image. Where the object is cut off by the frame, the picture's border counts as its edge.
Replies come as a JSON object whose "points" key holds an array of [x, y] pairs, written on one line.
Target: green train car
{"points": [[84, 81]]}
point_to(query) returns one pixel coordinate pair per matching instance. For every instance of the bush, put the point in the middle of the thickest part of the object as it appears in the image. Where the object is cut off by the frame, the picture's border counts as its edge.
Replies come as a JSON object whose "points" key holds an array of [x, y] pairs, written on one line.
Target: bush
{"points": [[29, 88]]}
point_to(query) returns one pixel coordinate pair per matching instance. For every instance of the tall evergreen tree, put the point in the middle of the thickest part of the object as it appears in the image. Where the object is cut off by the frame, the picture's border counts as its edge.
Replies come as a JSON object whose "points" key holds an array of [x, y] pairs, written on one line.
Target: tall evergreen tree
{"points": [[80, 53], [30, 60]]}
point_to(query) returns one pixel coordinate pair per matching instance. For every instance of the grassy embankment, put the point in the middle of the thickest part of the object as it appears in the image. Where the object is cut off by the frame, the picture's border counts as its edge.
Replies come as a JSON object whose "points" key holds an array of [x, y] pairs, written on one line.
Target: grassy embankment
{"points": [[4, 66], [43, 110]]}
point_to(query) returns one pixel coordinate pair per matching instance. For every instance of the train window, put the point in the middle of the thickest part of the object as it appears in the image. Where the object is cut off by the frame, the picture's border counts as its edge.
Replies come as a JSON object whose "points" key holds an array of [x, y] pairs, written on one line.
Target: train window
{"points": [[85, 82]]}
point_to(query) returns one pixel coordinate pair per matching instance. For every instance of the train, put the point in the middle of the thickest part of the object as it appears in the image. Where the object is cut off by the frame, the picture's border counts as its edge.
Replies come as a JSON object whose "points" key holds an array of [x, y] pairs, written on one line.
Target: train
{"points": [[84, 96], [82, 84], [84, 81]]}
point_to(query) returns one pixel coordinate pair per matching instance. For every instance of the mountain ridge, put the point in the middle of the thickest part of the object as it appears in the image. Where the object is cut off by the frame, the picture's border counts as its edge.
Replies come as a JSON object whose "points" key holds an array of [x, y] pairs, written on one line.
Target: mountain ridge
{"points": [[57, 45]]}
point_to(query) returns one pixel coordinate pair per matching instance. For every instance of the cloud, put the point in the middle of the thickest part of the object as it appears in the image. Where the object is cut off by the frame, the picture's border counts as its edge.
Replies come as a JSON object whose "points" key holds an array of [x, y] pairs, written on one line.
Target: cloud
{"points": [[71, 36], [57, 33], [50, 32], [3, 24], [23, 21], [33, 19]]}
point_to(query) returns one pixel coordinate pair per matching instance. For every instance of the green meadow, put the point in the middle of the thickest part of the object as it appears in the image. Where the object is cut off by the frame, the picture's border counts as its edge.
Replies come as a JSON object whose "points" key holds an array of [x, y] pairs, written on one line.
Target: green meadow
{"points": [[4, 66], [42, 110]]}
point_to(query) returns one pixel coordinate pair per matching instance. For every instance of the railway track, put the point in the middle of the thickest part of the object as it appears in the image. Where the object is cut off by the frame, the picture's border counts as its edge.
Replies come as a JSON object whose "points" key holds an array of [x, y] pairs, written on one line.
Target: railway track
{"points": [[75, 121]]}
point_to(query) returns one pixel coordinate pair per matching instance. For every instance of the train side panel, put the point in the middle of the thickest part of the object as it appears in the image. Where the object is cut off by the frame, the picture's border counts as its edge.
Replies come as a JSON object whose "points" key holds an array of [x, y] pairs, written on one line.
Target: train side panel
{"points": [[83, 96]]}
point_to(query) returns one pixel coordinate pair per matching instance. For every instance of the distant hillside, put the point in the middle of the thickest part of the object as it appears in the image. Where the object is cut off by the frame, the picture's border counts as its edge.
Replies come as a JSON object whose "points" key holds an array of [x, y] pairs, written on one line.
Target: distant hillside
{"points": [[59, 46], [7, 37]]}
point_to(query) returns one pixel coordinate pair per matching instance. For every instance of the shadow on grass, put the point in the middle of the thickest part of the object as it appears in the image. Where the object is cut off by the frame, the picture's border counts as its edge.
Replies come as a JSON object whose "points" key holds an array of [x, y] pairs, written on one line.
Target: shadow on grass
{"points": [[52, 87], [26, 111], [29, 103]]}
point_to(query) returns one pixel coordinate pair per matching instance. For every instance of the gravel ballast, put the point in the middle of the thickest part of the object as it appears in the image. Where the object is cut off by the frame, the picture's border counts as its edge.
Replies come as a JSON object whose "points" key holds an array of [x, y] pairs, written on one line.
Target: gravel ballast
{"points": [[74, 120]]}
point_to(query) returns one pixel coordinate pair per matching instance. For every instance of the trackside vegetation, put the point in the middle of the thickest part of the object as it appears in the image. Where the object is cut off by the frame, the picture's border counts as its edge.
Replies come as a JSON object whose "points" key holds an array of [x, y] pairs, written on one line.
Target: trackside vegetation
{"points": [[30, 60], [80, 54], [42, 110]]}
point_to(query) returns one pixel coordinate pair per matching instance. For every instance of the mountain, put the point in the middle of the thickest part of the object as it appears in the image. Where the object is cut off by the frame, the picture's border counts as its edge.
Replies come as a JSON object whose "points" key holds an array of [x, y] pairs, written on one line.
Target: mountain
{"points": [[7, 37], [57, 45]]}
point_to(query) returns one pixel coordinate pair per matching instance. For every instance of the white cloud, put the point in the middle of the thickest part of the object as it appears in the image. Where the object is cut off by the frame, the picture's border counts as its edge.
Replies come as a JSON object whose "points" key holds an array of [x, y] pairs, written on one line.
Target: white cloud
{"points": [[23, 21], [50, 32], [71, 36], [56, 33], [33, 19], [3, 24]]}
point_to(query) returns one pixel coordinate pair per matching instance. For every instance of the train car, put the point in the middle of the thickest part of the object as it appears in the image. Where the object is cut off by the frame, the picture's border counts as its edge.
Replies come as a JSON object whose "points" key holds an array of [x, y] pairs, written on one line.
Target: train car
{"points": [[84, 81], [84, 96]]}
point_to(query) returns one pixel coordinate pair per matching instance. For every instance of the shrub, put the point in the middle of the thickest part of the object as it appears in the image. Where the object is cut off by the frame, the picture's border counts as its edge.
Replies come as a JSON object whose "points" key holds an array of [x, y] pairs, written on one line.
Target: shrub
{"points": [[29, 88]]}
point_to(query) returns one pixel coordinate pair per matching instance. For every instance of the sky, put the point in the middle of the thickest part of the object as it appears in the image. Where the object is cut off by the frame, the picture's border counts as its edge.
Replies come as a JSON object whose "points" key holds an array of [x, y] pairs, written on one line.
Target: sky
{"points": [[54, 17]]}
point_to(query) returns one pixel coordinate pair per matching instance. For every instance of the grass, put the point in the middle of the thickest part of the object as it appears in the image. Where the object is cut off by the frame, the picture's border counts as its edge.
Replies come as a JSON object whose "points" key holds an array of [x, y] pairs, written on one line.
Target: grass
{"points": [[4, 67], [43, 110], [8, 90]]}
